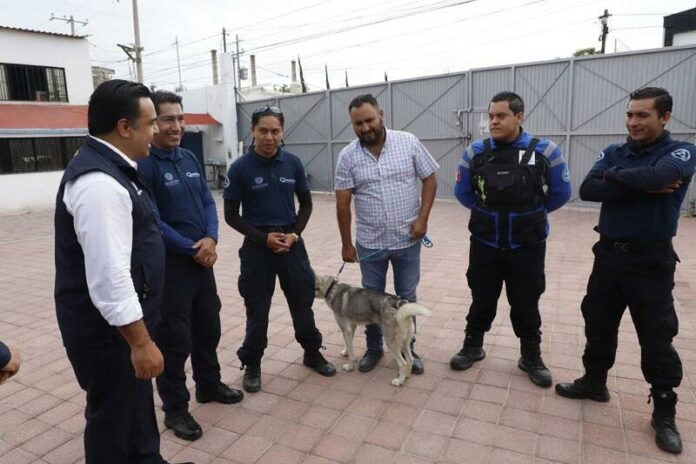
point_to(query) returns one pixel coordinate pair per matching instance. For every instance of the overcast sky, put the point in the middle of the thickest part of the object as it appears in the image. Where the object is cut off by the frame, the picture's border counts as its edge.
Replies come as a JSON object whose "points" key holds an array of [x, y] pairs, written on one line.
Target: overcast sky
{"points": [[365, 38]]}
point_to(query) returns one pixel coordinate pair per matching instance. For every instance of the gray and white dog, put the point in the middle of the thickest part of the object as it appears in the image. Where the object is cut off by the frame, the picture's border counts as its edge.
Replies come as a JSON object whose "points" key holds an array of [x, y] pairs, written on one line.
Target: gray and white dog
{"points": [[353, 306]]}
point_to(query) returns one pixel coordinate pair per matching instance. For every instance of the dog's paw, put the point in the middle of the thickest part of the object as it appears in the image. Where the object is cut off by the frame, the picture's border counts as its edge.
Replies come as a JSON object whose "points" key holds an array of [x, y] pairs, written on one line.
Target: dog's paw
{"points": [[348, 367], [397, 382], [344, 353]]}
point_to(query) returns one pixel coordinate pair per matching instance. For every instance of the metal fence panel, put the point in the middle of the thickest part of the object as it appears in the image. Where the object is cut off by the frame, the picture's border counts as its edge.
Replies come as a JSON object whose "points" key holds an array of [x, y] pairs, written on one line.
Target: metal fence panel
{"points": [[579, 103]]}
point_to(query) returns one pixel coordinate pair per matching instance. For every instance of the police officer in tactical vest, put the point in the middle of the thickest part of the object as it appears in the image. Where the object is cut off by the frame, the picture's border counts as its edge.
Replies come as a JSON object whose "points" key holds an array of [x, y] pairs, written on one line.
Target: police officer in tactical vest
{"points": [[641, 185], [109, 274], [510, 182]]}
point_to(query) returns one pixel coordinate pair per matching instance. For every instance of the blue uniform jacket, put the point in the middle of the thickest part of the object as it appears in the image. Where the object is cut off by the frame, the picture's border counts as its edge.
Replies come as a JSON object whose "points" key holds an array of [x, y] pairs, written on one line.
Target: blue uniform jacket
{"points": [[558, 182], [621, 179], [186, 207]]}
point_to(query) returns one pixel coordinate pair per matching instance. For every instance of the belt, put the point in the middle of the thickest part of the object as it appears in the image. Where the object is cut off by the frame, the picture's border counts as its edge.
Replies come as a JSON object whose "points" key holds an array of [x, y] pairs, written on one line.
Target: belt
{"points": [[634, 247], [283, 229]]}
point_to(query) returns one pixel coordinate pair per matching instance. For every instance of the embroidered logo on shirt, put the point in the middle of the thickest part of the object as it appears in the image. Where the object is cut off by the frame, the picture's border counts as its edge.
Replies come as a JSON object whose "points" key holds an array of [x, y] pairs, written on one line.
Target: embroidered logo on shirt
{"points": [[600, 156], [192, 174], [259, 184], [170, 180], [682, 154], [285, 180], [226, 182], [566, 175]]}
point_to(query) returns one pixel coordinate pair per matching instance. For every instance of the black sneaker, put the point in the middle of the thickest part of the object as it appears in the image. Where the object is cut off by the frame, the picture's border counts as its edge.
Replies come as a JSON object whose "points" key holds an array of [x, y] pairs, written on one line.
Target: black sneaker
{"points": [[221, 393], [580, 389], [315, 360], [184, 426], [252, 378], [466, 357], [417, 368], [370, 360]]}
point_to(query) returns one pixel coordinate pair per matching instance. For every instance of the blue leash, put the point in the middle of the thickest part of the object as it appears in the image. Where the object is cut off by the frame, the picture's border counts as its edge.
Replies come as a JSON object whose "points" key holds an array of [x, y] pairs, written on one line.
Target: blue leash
{"points": [[425, 241]]}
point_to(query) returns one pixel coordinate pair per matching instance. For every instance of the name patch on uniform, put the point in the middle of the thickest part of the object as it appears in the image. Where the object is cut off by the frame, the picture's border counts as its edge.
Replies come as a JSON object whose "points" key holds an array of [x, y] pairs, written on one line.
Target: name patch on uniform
{"points": [[682, 154], [285, 180]]}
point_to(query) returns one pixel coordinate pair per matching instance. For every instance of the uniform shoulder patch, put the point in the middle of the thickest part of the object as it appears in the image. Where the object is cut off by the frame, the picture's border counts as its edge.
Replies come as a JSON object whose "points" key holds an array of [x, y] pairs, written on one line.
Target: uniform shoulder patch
{"points": [[600, 156], [682, 154]]}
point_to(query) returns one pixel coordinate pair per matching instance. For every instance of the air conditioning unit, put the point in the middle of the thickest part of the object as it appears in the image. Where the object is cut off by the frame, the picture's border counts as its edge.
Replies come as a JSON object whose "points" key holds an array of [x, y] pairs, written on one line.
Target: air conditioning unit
{"points": [[41, 96]]}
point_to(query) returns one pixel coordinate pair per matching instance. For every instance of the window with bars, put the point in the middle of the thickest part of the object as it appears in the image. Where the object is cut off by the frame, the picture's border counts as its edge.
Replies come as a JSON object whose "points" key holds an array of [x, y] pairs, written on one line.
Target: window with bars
{"points": [[21, 82], [37, 154]]}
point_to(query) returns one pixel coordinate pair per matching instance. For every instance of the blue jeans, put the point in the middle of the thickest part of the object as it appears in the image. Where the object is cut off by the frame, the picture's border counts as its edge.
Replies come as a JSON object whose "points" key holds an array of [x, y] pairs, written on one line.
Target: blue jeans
{"points": [[406, 268]]}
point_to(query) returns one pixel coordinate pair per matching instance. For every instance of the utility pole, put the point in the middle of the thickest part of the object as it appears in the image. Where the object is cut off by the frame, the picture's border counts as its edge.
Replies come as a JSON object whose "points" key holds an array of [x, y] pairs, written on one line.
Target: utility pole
{"points": [[604, 19], [137, 48], [178, 63], [239, 58], [70, 20], [224, 40]]}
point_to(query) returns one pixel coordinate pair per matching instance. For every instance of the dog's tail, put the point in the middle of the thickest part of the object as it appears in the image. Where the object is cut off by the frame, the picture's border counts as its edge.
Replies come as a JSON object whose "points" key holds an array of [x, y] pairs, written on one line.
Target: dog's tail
{"points": [[411, 309]]}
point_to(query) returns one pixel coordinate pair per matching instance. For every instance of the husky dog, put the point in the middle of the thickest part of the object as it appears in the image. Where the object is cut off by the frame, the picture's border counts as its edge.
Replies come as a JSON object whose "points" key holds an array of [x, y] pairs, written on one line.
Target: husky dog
{"points": [[353, 306]]}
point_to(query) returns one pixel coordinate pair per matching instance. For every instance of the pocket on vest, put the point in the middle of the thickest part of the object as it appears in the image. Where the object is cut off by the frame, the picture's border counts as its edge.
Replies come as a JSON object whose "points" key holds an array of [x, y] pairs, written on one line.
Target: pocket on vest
{"points": [[482, 225], [529, 227]]}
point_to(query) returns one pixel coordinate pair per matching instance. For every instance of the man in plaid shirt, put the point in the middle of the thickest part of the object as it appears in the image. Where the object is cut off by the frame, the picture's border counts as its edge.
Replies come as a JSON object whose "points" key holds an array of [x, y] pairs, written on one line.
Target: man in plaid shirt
{"points": [[380, 170]]}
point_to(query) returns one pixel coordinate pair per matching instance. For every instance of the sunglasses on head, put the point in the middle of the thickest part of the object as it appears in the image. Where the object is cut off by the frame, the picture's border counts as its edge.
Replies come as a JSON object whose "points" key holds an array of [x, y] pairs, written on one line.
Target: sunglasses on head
{"points": [[267, 110]]}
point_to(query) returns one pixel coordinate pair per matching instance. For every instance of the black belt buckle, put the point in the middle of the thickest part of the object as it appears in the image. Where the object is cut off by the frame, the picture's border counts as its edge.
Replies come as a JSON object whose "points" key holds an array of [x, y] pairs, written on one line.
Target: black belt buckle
{"points": [[622, 247]]}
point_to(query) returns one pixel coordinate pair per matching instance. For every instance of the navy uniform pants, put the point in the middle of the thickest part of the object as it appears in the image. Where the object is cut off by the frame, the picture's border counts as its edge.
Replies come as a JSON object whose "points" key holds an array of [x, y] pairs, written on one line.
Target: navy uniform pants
{"points": [[120, 412], [190, 325], [641, 279], [522, 270], [259, 267]]}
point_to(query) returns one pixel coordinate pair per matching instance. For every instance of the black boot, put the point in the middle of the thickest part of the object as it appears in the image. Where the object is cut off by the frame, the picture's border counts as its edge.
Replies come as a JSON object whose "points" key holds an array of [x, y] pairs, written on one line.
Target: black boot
{"points": [[472, 351], [252, 378], [314, 360], [666, 434], [532, 364], [583, 388]]}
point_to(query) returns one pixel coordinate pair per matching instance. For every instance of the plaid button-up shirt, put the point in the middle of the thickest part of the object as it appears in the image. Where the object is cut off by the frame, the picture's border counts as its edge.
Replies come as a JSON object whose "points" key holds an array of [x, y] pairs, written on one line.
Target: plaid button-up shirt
{"points": [[385, 188]]}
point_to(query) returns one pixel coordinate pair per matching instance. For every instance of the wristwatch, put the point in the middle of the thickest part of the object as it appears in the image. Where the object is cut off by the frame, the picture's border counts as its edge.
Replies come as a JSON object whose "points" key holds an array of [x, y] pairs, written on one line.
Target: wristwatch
{"points": [[295, 236]]}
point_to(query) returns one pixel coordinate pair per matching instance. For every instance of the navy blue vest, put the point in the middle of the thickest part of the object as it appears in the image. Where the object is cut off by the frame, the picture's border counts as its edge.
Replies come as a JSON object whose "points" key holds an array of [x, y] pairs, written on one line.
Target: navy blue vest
{"points": [[81, 324]]}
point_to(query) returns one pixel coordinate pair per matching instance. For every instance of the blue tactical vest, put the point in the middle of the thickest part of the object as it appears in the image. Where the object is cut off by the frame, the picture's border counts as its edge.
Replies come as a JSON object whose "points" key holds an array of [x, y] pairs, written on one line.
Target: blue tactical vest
{"points": [[81, 324]]}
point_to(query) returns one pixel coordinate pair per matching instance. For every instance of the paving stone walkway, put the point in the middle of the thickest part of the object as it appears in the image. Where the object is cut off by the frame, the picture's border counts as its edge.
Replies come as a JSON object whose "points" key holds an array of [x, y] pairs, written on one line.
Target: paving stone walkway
{"points": [[489, 414]]}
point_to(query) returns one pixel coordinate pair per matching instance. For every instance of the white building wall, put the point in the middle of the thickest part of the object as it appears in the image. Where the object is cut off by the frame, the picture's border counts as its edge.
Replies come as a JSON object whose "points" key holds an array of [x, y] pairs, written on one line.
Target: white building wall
{"points": [[29, 192], [684, 38], [72, 54]]}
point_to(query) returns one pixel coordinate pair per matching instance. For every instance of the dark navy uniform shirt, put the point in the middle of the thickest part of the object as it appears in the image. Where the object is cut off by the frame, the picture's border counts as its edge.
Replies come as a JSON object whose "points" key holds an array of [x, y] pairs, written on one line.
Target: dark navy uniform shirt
{"points": [[186, 207], [5, 355], [621, 179], [266, 188]]}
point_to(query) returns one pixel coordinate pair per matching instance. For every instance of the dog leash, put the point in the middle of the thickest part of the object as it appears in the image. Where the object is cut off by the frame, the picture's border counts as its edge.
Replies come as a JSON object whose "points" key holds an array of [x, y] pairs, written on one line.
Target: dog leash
{"points": [[425, 240]]}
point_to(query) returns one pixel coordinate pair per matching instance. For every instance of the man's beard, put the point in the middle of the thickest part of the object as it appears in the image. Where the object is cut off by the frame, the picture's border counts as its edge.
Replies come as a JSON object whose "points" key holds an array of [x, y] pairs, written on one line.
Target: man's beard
{"points": [[373, 137]]}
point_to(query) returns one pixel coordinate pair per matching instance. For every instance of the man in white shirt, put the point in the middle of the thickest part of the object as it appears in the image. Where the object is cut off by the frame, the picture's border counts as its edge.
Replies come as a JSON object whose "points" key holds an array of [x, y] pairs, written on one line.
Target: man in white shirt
{"points": [[109, 274], [380, 170]]}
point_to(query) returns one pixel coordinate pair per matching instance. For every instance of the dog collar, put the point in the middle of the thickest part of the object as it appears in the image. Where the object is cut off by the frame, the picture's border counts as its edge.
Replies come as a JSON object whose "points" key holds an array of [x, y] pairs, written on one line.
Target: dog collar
{"points": [[328, 290]]}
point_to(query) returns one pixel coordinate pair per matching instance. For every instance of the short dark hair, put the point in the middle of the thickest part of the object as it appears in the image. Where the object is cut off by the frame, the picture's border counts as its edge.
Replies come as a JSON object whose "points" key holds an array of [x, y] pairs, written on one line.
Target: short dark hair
{"points": [[267, 110], [515, 102], [663, 100], [114, 100], [165, 96], [360, 100]]}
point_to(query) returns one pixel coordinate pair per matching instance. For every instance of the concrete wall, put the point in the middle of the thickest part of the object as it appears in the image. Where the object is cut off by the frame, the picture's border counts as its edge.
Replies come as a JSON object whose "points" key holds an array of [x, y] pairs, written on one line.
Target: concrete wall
{"points": [[72, 54], [23, 193]]}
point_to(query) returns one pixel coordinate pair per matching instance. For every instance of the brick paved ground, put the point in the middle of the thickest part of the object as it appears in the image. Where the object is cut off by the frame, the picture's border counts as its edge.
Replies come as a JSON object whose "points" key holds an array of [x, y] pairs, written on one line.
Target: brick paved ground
{"points": [[488, 414]]}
